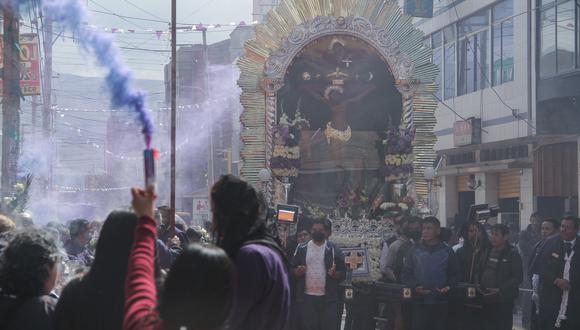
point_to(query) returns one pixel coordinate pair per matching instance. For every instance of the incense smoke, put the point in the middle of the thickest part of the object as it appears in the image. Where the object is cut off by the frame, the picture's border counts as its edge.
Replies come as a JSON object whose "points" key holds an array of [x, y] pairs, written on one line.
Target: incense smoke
{"points": [[73, 15]]}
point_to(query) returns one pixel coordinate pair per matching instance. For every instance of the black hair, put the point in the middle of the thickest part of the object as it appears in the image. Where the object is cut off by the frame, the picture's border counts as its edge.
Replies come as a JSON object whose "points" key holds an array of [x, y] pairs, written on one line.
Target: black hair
{"points": [[432, 220], [318, 222], [77, 227], [446, 234], [240, 213], [554, 222], [414, 219], [501, 228], [96, 301], [328, 224], [304, 224], [199, 289], [109, 268], [180, 223], [193, 233], [26, 262], [483, 238], [574, 220]]}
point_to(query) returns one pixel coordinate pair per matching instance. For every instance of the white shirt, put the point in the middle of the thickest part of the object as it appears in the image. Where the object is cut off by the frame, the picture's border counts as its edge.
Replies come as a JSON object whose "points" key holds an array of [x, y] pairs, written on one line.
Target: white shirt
{"points": [[315, 270], [572, 243], [383, 259]]}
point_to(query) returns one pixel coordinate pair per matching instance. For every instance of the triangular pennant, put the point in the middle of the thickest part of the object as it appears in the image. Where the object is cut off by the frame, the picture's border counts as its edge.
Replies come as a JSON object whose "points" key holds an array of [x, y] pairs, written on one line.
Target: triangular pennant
{"points": [[158, 33]]}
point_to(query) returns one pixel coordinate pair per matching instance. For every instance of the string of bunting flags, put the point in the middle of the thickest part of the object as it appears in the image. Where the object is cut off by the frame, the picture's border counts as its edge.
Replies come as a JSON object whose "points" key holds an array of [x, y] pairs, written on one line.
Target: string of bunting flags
{"points": [[65, 189], [196, 106], [140, 158], [167, 32]]}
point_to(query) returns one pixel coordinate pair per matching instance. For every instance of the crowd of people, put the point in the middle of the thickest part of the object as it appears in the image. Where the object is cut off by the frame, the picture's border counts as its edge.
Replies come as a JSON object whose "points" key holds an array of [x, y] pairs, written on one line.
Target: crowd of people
{"points": [[546, 257], [136, 271]]}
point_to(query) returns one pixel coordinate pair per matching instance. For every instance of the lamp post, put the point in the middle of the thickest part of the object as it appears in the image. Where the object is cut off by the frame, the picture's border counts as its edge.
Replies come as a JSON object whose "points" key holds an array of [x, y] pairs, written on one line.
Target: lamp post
{"points": [[265, 175], [430, 173]]}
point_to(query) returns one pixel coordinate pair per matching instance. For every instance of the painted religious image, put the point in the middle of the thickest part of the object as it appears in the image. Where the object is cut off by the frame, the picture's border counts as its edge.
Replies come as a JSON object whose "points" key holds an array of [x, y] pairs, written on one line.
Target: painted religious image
{"points": [[340, 99]]}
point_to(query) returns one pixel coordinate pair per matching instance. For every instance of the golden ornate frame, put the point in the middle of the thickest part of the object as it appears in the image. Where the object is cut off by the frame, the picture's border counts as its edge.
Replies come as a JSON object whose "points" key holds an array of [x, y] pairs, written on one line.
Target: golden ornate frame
{"points": [[296, 23]]}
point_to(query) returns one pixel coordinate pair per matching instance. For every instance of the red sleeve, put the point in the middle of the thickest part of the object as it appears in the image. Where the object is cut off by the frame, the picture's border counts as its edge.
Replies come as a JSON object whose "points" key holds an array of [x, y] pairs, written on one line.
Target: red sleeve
{"points": [[140, 289]]}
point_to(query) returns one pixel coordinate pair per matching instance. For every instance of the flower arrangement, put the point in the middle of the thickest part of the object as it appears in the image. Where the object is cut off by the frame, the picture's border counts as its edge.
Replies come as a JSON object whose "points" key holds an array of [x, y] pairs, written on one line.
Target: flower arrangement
{"points": [[353, 201], [403, 206], [18, 202], [397, 147], [285, 160]]}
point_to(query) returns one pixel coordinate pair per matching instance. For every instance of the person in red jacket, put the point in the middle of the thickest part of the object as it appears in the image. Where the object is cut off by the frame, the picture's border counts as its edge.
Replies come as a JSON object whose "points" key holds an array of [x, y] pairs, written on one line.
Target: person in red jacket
{"points": [[198, 292]]}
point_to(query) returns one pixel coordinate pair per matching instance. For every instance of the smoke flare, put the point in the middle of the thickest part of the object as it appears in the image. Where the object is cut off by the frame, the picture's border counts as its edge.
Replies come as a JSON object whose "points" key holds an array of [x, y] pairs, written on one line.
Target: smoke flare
{"points": [[73, 15]]}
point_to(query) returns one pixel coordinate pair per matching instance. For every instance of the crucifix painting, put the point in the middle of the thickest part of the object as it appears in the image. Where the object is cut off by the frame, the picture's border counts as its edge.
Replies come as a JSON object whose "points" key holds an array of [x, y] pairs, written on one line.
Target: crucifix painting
{"points": [[342, 86]]}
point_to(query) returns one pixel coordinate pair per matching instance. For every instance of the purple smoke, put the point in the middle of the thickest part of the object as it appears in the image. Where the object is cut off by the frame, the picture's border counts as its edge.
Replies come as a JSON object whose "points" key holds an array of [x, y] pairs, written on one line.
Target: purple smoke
{"points": [[73, 15]]}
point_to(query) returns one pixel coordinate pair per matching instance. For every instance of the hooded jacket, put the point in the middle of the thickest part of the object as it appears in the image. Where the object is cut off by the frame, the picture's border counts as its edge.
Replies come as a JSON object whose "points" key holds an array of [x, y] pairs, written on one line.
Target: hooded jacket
{"points": [[331, 289]]}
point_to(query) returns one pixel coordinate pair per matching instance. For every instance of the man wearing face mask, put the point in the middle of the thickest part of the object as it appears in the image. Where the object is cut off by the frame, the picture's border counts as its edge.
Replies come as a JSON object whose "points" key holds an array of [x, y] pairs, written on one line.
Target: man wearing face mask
{"points": [[318, 267]]}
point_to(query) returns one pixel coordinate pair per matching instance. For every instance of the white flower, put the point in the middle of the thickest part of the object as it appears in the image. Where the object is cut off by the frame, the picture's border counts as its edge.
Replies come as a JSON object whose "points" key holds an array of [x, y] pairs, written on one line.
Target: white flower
{"points": [[387, 205], [403, 206]]}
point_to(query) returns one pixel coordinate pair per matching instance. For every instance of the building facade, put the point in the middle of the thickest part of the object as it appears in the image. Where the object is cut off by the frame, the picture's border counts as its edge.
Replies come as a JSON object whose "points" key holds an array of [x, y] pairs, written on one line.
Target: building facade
{"points": [[262, 7], [507, 117]]}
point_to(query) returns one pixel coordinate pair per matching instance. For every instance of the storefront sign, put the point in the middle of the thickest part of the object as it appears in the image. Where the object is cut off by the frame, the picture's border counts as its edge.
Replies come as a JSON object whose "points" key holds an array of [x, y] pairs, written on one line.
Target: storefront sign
{"points": [[201, 209], [419, 8], [467, 132], [29, 64]]}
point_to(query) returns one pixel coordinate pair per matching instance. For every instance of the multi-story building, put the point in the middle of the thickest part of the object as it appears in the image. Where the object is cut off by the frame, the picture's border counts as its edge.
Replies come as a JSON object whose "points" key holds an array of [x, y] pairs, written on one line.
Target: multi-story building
{"points": [[208, 106], [508, 117], [262, 7]]}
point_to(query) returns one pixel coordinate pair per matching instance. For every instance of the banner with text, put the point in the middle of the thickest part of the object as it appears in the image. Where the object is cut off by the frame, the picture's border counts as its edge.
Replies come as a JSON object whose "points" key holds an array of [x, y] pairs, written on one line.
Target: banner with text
{"points": [[29, 64]]}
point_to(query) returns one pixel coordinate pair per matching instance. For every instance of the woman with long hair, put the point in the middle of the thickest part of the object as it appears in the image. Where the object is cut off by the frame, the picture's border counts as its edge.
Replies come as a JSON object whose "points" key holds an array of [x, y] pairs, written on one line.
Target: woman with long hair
{"points": [[198, 293], [239, 225], [96, 300]]}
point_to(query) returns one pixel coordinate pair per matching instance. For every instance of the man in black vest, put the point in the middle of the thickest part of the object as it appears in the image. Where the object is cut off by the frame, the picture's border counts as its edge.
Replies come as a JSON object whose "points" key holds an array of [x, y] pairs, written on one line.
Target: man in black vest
{"points": [[560, 279], [499, 280]]}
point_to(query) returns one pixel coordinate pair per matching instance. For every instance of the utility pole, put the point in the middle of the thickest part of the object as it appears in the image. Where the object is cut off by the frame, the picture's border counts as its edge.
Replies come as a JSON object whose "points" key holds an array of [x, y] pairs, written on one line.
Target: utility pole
{"points": [[211, 166], [11, 99], [47, 117], [173, 111]]}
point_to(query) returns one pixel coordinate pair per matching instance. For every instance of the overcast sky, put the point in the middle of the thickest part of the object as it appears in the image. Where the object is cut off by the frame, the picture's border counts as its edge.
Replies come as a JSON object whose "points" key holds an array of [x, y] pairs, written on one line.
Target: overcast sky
{"points": [[148, 64]]}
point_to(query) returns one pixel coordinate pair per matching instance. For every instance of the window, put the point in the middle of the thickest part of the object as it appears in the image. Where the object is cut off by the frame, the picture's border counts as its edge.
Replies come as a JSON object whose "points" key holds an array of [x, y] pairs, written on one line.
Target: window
{"points": [[502, 43], [436, 43], [437, 61], [565, 30], [548, 43], [449, 90], [473, 67], [449, 62], [557, 37]]}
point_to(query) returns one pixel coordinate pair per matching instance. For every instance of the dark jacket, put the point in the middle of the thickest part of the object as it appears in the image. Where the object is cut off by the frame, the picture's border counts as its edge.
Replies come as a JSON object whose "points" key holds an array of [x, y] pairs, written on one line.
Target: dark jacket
{"points": [[166, 255], [35, 313], [83, 305], [431, 267], [535, 263], [527, 241], [470, 265], [552, 260], [331, 288], [509, 273]]}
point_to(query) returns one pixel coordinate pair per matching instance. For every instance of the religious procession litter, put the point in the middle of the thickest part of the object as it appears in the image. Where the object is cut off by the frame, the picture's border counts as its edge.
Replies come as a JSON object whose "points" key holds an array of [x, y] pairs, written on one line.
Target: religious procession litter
{"points": [[330, 224]]}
